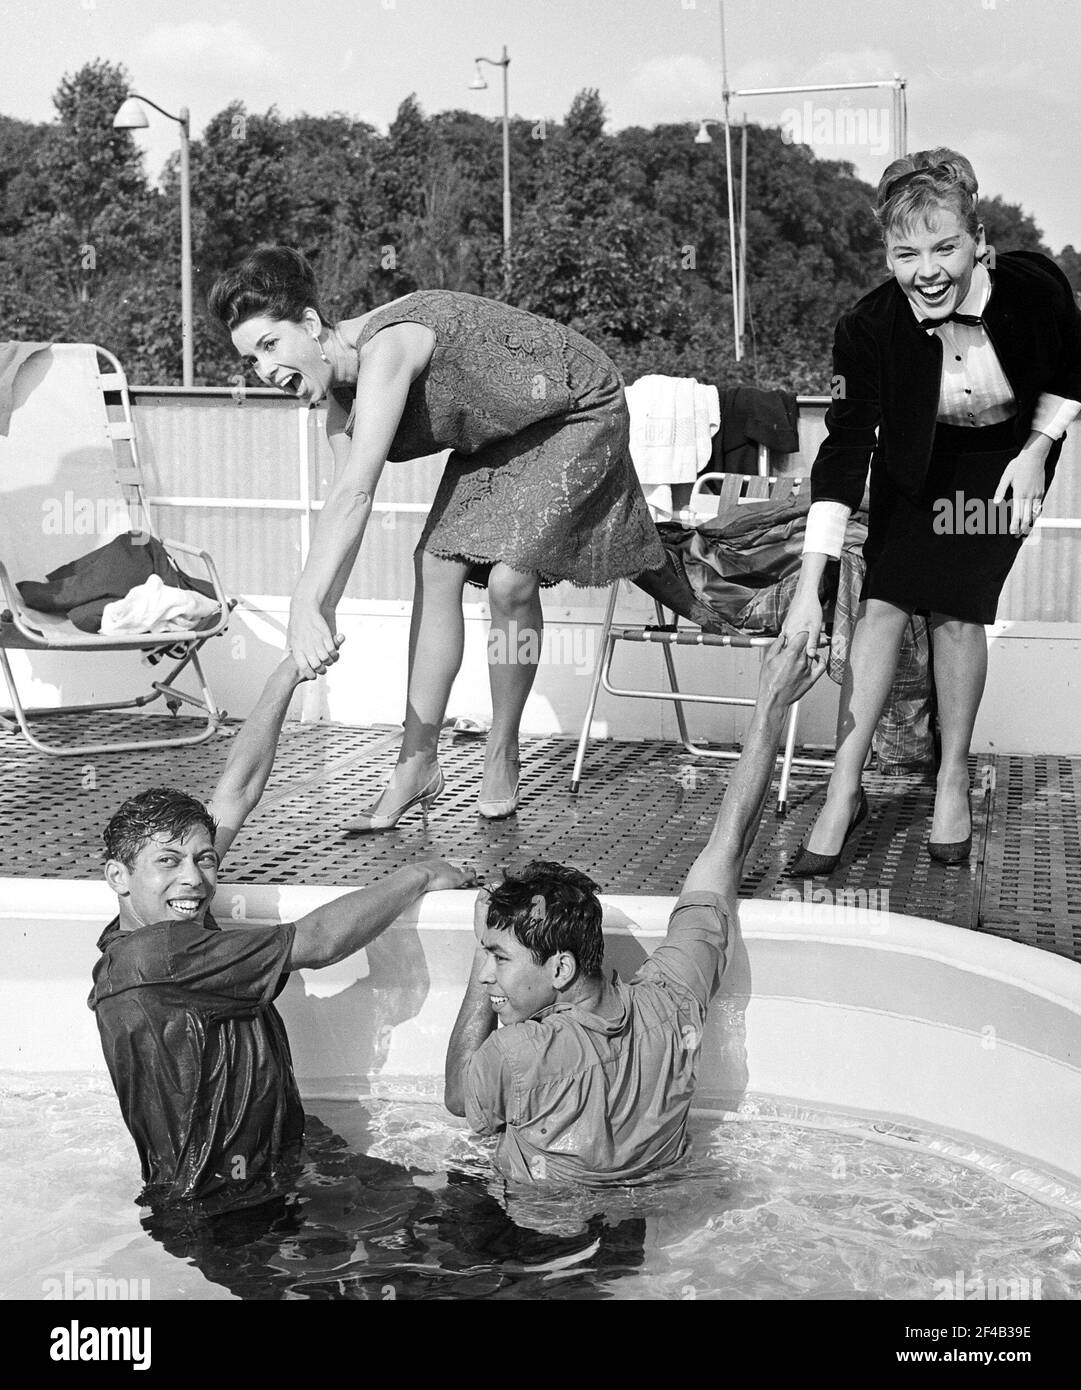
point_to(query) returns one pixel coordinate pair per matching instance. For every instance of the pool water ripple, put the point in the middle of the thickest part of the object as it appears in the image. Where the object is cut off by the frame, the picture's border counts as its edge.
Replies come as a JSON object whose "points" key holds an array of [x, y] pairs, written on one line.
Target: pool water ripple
{"points": [[398, 1200]]}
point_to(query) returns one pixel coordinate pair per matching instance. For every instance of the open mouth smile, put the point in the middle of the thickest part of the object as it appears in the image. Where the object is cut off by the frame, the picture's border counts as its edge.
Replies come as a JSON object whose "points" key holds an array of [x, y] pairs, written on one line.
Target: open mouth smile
{"points": [[933, 294], [185, 907]]}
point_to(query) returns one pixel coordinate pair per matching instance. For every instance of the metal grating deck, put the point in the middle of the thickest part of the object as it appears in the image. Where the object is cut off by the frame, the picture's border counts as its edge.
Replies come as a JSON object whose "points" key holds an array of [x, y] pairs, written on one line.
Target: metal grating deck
{"points": [[643, 813]]}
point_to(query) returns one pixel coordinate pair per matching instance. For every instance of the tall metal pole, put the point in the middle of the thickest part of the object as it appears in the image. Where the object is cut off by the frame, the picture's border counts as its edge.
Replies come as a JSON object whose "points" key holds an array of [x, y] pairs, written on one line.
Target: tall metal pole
{"points": [[732, 231], [736, 331], [743, 237], [187, 321], [506, 178]]}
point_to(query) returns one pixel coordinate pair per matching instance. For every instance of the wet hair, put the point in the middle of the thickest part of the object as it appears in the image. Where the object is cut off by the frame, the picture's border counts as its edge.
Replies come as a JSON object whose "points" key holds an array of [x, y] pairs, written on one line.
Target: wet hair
{"points": [[915, 184], [551, 908], [273, 280], [160, 811]]}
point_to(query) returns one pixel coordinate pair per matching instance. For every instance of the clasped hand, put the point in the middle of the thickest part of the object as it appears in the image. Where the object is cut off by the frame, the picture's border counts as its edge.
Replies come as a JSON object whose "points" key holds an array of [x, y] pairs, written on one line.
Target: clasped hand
{"points": [[789, 669], [311, 643]]}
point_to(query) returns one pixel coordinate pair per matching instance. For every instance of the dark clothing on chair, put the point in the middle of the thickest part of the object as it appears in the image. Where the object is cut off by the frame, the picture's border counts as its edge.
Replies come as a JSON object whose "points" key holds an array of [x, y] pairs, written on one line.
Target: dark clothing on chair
{"points": [[750, 417], [730, 559], [737, 573], [83, 587]]}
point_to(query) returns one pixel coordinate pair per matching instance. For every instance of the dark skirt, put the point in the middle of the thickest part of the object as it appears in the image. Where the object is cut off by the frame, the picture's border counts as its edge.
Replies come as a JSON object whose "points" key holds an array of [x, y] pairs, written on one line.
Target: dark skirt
{"points": [[950, 551]]}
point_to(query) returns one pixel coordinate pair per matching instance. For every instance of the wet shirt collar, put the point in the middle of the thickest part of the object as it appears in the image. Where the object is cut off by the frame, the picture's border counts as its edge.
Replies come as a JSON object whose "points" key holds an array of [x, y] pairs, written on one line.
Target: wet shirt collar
{"points": [[589, 1019]]}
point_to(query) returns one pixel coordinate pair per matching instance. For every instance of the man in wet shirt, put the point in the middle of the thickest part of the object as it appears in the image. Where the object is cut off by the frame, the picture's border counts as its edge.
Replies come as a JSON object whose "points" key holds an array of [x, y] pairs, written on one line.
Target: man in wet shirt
{"points": [[590, 1080], [197, 1052]]}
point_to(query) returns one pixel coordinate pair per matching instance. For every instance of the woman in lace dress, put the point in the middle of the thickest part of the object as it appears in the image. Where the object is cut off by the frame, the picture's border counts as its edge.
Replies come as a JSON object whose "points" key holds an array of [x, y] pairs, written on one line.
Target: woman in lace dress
{"points": [[539, 487]]}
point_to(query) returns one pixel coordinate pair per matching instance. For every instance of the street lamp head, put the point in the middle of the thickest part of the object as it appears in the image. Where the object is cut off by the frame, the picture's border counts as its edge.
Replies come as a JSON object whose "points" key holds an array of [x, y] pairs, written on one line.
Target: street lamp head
{"points": [[131, 116], [703, 137], [478, 84]]}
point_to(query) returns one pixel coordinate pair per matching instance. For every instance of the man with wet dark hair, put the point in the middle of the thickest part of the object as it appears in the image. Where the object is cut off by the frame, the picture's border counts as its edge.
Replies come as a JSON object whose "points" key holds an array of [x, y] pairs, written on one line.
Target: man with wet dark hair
{"points": [[591, 1080], [550, 908], [195, 1048]]}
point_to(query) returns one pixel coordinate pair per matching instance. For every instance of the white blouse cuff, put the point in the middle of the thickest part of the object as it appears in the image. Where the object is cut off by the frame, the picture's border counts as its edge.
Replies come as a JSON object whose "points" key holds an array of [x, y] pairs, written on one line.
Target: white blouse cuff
{"points": [[1054, 414], [826, 522]]}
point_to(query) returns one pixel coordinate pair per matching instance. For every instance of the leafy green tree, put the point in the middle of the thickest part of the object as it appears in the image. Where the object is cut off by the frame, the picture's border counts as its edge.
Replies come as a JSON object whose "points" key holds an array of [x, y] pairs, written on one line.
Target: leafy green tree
{"points": [[624, 236], [1008, 227], [97, 202], [88, 241], [581, 253]]}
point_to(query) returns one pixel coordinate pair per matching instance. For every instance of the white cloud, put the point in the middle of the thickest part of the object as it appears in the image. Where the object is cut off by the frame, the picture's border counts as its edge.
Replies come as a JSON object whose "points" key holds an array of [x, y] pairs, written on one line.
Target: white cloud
{"points": [[202, 47]]}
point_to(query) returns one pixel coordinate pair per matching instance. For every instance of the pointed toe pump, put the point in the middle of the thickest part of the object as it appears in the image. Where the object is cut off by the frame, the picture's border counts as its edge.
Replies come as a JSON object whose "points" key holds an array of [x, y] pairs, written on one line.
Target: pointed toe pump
{"points": [[953, 851], [369, 822], [810, 865], [501, 809]]}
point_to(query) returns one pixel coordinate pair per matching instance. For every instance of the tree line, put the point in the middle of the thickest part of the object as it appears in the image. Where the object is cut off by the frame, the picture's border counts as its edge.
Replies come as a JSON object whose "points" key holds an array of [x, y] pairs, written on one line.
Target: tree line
{"points": [[623, 236]]}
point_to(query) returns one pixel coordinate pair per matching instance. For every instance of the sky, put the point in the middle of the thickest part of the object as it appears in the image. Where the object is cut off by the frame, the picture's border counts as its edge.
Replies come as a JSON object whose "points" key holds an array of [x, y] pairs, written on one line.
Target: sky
{"points": [[999, 80]]}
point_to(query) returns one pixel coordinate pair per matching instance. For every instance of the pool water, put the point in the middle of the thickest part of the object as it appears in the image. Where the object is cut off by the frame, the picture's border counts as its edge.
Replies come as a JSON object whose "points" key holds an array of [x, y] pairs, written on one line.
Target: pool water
{"points": [[398, 1200]]}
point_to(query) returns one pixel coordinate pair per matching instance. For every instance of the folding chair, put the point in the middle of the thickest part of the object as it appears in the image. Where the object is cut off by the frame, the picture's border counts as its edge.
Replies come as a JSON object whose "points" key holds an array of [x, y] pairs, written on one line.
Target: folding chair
{"points": [[735, 489], [70, 481]]}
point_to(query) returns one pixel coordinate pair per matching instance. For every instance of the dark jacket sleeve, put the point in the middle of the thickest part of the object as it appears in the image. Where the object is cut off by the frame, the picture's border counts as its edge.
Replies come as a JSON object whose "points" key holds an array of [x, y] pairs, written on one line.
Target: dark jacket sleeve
{"points": [[839, 472], [1066, 378]]}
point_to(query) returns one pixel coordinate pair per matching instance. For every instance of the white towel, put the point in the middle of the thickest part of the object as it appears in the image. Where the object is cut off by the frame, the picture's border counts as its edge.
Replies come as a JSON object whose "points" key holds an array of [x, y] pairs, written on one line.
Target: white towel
{"points": [[156, 607], [672, 422]]}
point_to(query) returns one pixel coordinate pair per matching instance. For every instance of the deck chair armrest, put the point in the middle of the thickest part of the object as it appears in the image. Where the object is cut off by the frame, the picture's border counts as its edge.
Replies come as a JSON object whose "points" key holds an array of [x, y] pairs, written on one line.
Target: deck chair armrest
{"points": [[11, 594], [705, 478], [212, 571], [226, 604]]}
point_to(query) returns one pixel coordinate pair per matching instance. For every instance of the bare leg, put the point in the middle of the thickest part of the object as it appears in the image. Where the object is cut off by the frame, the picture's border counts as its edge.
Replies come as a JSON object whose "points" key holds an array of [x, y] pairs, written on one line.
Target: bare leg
{"points": [[960, 654], [514, 647], [872, 662], [436, 640]]}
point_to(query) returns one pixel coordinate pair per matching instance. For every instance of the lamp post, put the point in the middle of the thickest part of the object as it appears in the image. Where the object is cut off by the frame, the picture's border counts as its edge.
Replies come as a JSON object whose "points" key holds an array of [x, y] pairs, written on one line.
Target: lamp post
{"points": [[479, 85], [131, 116]]}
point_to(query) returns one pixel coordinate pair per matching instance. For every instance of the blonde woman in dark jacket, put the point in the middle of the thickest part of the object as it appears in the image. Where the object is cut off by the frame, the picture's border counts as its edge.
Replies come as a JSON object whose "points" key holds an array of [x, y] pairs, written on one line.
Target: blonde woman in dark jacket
{"points": [[956, 380]]}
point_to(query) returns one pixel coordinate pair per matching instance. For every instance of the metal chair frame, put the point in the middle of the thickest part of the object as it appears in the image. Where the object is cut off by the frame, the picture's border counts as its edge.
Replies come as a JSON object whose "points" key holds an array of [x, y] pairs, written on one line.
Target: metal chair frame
{"points": [[670, 631]]}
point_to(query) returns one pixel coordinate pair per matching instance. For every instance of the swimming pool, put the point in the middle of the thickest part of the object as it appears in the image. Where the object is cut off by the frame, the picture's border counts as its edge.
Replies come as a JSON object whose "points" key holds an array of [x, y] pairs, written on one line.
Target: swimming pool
{"points": [[844, 1041]]}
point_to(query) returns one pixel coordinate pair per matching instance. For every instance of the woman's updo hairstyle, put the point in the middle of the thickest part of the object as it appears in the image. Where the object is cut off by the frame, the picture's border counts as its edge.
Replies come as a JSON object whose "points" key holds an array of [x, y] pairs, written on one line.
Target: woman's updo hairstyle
{"points": [[273, 280], [917, 183]]}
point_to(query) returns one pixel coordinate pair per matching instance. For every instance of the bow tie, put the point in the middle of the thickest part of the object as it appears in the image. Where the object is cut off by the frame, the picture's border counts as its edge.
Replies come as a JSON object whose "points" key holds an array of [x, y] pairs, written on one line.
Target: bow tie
{"points": [[971, 319]]}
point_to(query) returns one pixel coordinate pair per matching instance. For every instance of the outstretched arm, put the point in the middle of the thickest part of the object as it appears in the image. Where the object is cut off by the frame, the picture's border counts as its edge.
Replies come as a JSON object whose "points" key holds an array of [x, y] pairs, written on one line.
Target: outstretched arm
{"points": [[475, 1022], [251, 757], [388, 365], [788, 672], [348, 924]]}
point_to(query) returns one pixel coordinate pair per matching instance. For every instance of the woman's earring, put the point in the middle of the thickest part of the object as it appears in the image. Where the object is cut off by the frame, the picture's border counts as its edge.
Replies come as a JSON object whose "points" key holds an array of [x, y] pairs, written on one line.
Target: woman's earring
{"points": [[322, 354]]}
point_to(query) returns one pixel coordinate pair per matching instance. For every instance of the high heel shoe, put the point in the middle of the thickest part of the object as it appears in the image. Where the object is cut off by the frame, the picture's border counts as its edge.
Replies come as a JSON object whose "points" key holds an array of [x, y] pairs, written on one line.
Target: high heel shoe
{"points": [[369, 821], [953, 851], [500, 810], [811, 865]]}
